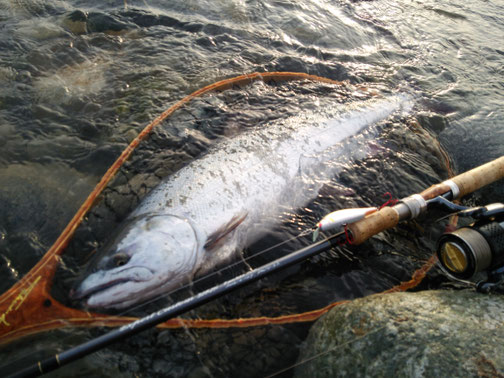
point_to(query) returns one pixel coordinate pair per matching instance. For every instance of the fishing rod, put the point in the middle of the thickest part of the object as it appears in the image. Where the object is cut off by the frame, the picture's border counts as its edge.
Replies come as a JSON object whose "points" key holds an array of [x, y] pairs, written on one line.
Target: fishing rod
{"points": [[365, 223]]}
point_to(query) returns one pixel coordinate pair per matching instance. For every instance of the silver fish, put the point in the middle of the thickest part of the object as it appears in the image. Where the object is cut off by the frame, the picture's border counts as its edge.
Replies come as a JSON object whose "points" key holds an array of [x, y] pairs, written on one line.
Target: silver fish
{"points": [[202, 215]]}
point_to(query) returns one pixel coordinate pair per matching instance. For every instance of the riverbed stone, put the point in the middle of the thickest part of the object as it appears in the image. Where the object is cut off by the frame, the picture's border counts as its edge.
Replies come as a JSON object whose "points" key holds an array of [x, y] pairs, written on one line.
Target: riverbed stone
{"points": [[424, 334]]}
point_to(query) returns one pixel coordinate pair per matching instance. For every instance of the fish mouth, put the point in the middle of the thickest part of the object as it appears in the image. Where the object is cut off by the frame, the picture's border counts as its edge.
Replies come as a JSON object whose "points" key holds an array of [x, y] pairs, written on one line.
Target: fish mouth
{"points": [[99, 283], [79, 294]]}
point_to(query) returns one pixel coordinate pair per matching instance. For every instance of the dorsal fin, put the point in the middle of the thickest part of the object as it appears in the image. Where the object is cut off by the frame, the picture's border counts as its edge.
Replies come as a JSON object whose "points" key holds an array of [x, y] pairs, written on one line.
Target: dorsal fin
{"points": [[214, 239]]}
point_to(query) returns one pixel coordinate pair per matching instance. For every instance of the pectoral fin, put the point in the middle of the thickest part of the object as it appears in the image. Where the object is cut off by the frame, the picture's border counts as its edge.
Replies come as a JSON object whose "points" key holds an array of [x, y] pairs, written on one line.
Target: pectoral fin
{"points": [[215, 238]]}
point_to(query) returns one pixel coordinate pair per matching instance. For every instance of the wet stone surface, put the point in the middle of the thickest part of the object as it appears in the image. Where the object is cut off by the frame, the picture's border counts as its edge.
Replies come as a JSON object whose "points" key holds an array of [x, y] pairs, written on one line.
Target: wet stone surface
{"points": [[429, 333]]}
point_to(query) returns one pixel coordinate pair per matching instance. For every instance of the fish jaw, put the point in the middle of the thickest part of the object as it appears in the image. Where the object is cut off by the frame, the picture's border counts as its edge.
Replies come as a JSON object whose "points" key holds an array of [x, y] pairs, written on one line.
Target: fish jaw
{"points": [[98, 288], [151, 254]]}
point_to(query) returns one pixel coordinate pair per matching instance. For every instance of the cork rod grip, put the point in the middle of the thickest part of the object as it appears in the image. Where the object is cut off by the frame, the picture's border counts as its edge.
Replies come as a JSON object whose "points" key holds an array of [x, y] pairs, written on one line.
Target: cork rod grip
{"points": [[467, 182], [373, 224], [478, 177]]}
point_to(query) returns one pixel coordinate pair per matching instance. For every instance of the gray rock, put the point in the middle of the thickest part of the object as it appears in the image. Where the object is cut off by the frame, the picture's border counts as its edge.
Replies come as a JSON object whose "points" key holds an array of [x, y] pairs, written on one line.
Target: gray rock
{"points": [[425, 334]]}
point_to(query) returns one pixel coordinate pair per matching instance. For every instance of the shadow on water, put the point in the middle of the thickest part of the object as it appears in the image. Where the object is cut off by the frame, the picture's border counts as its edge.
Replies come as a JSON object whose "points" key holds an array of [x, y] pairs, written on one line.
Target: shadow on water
{"points": [[78, 83]]}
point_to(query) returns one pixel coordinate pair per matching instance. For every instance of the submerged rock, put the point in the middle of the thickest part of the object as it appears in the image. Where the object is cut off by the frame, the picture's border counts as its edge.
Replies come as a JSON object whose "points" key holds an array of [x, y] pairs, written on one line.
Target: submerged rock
{"points": [[75, 22], [425, 334], [79, 22]]}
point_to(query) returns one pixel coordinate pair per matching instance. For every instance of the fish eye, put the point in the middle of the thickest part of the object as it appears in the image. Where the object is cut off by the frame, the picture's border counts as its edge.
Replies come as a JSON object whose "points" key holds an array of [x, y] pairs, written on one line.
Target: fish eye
{"points": [[120, 259]]}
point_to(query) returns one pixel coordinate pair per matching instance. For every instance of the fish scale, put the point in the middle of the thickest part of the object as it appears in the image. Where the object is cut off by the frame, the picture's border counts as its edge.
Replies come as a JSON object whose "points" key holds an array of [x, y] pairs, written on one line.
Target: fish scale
{"points": [[204, 214]]}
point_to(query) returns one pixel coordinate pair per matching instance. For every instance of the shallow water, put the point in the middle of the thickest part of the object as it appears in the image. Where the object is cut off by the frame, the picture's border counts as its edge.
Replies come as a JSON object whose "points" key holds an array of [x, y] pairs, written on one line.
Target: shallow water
{"points": [[75, 88]]}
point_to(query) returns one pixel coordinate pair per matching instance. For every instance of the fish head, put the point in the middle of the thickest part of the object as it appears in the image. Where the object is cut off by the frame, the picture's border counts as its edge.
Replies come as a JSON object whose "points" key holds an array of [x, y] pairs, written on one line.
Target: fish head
{"points": [[150, 254]]}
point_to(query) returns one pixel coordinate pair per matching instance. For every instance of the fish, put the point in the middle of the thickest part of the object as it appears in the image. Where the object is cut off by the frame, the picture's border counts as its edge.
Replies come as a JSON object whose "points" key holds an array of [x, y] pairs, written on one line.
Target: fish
{"points": [[203, 215]]}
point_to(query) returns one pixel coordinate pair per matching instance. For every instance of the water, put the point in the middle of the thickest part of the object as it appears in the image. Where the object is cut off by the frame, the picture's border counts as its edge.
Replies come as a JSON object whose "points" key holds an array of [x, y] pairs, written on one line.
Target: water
{"points": [[77, 87]]}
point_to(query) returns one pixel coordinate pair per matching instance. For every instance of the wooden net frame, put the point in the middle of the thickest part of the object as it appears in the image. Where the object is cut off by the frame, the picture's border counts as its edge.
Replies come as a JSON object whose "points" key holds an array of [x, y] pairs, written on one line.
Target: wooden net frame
{"points": [[28, 308]]}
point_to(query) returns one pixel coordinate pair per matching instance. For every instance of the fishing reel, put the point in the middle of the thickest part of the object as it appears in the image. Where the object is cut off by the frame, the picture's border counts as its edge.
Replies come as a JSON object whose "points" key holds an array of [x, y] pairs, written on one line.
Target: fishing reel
{"points": [[477, 248]]}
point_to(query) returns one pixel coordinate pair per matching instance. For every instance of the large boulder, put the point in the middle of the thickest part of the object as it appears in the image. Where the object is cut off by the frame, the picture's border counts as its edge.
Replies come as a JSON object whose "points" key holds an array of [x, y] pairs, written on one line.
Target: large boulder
{"points": [[424, 334]]}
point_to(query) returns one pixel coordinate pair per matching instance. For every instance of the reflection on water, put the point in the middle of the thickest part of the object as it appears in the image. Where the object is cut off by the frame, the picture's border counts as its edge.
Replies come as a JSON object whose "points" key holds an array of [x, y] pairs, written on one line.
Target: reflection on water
{"points": [[79, 80]]}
